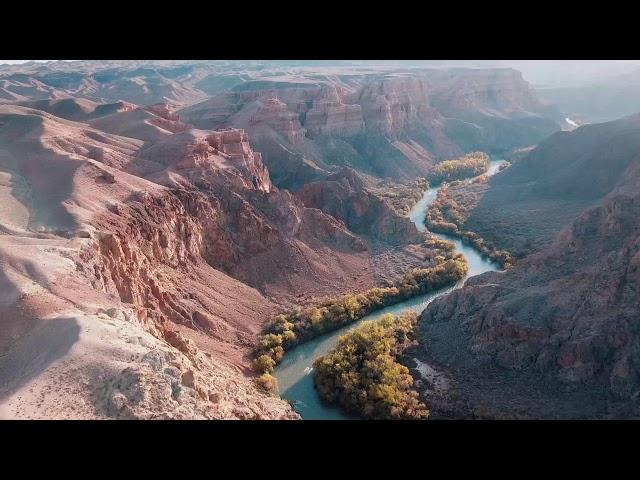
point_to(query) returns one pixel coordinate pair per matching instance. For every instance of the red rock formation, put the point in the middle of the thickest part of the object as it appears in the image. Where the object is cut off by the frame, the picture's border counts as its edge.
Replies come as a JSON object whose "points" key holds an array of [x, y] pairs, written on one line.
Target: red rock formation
{"points": [[198, 155], [275, 114], [329, 115], [163, 110], [389, 106], [395, 125], [344, 196], [148, 124], [256, 233], [150, 259]]}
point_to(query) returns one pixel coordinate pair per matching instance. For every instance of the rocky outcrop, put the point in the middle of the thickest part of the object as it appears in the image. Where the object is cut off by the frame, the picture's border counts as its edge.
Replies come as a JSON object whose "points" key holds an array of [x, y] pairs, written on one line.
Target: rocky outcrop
{"points": [[166, 118], [198, 154], [274, 113], [234, 146], [329, 115], [163, 110], [150, 124], [164, 384], [158, 233], [343, 195], [392, 105]]}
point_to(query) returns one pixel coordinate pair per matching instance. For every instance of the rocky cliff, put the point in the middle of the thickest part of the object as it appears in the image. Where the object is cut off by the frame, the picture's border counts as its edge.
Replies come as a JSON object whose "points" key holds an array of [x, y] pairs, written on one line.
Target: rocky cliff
{"points": [[542, 192], [344, 196], [330, 115], [395, 125], [147, 269], [563, 318], [274, 114], [392, 105]]}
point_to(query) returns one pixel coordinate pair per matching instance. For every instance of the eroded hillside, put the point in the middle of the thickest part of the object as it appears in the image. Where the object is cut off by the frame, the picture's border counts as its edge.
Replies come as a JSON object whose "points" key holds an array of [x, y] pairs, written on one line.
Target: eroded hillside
{"points": [[556, 333]]}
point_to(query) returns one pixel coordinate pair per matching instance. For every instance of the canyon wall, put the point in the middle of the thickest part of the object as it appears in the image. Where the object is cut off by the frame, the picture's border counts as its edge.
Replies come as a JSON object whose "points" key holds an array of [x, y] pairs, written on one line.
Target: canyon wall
{"points": [[344, 196], [542, 192], [563, 316], [394, 126]]}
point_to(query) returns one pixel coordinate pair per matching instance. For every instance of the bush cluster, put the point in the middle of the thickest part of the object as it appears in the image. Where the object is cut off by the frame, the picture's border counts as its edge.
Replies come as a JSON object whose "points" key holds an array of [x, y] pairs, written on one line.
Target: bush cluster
{"points": [[362, 374], [470, 165], [401, 197]]}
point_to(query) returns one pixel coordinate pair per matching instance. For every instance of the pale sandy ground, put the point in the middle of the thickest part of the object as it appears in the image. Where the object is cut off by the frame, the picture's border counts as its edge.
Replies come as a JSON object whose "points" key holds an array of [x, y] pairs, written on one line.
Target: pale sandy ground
{"points": [[13, 214], [79, 366], [59, 361], [68, 350]]}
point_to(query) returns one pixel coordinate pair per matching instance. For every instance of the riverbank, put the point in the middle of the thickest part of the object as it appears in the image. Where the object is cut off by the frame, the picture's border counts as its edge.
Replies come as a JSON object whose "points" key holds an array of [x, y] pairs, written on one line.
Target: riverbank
{"points": [[294, 373], [450, 210], [290, 329], [468, 166]]}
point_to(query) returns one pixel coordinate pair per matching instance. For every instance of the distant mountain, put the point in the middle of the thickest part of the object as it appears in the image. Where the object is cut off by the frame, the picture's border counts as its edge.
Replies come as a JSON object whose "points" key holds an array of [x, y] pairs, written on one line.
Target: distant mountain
{"points": [[393, 125], [605, 101]]}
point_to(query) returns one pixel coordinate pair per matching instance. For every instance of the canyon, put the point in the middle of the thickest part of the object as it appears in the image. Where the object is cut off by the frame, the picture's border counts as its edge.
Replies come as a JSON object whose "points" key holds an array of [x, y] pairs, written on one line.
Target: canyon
{"points": [[156, 215]]}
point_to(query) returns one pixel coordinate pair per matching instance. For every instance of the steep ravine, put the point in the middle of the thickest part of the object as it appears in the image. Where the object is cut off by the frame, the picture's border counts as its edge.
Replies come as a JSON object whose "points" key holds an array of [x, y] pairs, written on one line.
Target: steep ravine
{"points": [[294, 374]]}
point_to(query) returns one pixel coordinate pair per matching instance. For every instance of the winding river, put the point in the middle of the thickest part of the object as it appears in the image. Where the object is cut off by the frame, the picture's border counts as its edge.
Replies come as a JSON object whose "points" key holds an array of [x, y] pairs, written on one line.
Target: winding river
{"points": [[294, 372]]}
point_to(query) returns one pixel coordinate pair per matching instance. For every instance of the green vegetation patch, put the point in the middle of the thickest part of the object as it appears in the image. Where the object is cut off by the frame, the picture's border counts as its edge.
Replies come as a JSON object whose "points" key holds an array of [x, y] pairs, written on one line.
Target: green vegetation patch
{"points": [[401, 197], [363, 375], [471, 165], [450, 210]]}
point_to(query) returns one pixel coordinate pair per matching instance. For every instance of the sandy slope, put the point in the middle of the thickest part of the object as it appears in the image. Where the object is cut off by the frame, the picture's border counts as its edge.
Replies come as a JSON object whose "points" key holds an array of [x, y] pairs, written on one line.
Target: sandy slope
{"points": [[73, 349], [137, 269]]}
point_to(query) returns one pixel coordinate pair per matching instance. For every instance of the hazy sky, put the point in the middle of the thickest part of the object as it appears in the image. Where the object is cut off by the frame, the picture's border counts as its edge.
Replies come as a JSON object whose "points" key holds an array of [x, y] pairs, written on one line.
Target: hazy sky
{"points": [[570, 72], [541, 73], [24, 61]]}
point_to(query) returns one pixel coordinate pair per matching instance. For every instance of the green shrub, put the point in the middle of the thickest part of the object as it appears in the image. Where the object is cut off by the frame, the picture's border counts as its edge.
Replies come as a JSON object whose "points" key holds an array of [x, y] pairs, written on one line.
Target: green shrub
{"points": [[363, 375], [471, 165], [401, 197], [264, 363], [447, 215]]}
